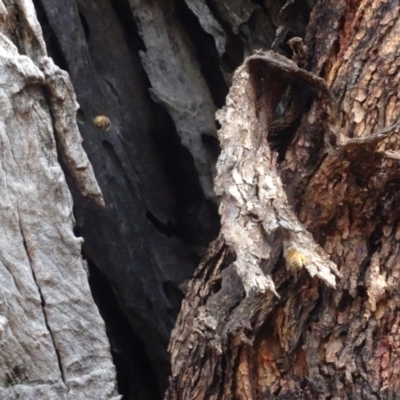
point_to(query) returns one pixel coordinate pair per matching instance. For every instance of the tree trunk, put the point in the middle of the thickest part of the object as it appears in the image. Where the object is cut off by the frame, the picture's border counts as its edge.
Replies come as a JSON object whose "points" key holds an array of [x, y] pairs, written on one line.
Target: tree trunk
{"points": [[322, 178], [296, 296], [52, 338]]}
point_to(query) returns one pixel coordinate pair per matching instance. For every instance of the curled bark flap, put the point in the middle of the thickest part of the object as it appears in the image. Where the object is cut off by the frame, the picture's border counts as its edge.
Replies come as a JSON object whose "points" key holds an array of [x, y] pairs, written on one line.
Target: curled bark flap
{"points": [[254, 206]]}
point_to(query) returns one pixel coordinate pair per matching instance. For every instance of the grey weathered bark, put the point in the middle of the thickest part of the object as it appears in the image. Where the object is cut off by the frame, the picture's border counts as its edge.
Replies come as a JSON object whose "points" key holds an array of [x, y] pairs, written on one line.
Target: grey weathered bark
{"points": [[248, 327], [52, 339]]}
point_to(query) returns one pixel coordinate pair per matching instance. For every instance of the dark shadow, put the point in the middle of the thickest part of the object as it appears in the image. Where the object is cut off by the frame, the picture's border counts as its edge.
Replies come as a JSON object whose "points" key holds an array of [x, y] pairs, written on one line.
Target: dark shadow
{"points": [[135, 376]]}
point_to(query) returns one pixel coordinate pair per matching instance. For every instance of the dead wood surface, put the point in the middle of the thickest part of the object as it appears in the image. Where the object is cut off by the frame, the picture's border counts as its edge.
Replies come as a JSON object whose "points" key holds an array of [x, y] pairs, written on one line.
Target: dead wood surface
{"points": [[52, 339]]}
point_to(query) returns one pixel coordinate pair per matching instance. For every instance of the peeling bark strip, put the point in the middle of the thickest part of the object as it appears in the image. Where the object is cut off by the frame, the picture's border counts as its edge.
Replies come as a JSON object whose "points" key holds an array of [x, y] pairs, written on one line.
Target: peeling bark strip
{"points": [[253, 203], [192, 110], [209, 23], [52, 340], [63, 108]]}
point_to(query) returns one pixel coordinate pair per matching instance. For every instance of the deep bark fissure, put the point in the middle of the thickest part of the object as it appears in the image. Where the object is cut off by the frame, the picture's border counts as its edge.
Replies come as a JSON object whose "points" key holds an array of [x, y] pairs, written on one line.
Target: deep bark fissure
{"points": [[42, 301], [234, 48], [206, 53], [166, 229], [53, 45], [135, 374], [135, 42]]}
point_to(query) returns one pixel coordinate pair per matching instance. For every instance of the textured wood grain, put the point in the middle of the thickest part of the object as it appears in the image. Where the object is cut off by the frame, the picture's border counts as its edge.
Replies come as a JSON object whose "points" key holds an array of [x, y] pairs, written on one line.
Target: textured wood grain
{"points": [[340, 177], [52, 339]]}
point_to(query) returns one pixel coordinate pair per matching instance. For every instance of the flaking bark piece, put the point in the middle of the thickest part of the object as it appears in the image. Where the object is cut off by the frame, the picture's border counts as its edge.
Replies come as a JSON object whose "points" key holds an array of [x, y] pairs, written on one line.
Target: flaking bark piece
{"points": [[63, 108], [254, 205]]}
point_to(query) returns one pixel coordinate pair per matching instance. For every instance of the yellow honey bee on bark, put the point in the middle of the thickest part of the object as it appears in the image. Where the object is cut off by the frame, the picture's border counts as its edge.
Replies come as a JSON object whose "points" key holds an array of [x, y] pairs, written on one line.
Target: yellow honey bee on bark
{"points": [[102, 122], [295, 259]]}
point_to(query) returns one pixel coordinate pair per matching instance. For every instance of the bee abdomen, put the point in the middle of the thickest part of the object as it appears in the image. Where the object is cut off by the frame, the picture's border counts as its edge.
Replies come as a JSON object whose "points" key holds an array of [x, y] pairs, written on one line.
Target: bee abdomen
{"points": [[294, 258], [297, 263], [102, 122]]}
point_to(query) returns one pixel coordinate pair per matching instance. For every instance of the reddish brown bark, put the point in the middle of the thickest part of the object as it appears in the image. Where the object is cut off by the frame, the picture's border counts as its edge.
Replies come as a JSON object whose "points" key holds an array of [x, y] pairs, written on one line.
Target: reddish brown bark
{"points": [[337, 173]]}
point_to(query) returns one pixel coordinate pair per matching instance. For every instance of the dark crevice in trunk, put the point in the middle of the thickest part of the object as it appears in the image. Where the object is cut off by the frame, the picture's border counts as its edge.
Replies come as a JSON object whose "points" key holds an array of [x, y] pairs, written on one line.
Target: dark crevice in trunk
{"points": [[234, 49], [206, 53], [135, 376], [166, 229], [132, 37], [197, 220], [52, 44], [211, 144], [85, 25]]}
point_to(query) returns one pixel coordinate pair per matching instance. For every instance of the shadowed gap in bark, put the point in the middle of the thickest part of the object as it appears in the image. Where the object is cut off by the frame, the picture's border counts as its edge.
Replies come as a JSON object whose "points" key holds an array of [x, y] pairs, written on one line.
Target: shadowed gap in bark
{"points": [[206, 53], [135, 375], [196, 220], [183, 178]]}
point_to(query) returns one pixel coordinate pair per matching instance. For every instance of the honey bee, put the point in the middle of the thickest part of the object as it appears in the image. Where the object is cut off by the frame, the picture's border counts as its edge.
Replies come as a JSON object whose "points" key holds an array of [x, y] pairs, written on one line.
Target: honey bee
{"points": [[295, 259], [102, 122]]}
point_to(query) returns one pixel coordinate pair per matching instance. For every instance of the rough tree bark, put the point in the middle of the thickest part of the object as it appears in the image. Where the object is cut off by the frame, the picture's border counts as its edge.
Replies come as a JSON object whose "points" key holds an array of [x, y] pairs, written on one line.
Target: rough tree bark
{"points": [[52, 339], [308, 155], [251, 329]]}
